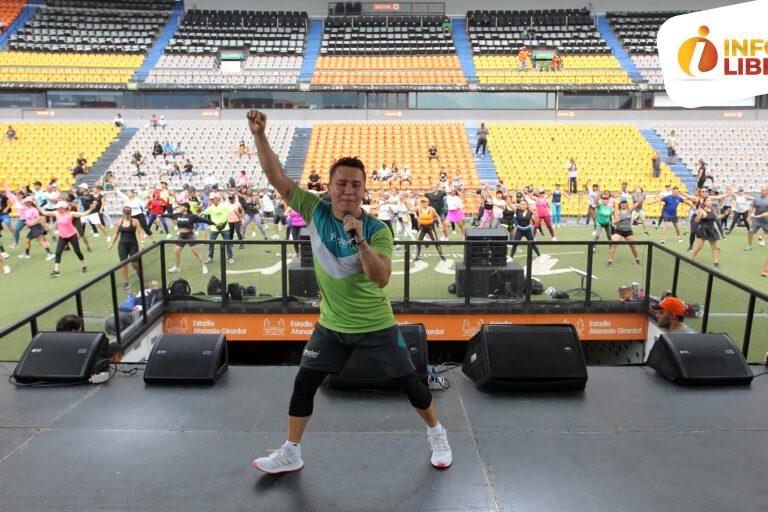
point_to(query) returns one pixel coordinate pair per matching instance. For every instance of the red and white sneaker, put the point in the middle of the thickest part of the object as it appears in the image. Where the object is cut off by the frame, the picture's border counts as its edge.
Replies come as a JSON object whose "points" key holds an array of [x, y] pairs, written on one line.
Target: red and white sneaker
{"points": [[283, 460], [441, 450]]}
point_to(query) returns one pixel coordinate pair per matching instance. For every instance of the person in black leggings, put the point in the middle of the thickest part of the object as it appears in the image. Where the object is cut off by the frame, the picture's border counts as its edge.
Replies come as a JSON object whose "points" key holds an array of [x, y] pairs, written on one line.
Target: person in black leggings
{"points": [[524, 218], [428, 217], [129, 231]]}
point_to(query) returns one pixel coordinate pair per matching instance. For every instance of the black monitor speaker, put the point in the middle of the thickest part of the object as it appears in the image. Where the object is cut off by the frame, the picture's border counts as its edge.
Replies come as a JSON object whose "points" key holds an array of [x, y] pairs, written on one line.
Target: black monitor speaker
{"points": [[362, 373], [63, 357], [489, 255], [699, 359], [187, 359], [539, 356]]}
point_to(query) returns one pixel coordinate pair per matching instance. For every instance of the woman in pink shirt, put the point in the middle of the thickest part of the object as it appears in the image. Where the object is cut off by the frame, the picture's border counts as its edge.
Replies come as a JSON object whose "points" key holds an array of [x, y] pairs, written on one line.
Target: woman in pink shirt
{"points": [[27, 210], [67, 233], [296, 224], [543, 213]]}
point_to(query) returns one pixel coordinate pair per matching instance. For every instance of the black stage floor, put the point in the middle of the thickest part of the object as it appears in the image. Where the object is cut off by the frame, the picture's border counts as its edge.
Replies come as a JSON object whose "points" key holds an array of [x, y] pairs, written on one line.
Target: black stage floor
{"points": [[631, 441]]}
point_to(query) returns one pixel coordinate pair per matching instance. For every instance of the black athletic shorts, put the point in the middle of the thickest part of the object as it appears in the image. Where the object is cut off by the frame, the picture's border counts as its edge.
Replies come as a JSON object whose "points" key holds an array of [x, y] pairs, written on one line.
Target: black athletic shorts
{"points": [[127, 250], [328, 351], [35, 231], [186, 238], [623, 233]]}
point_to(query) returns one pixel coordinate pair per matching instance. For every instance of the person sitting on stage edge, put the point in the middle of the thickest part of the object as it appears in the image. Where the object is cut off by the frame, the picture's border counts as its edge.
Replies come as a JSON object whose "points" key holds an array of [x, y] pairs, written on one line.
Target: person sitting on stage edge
{"points": [[671, 316], [352, 261]]}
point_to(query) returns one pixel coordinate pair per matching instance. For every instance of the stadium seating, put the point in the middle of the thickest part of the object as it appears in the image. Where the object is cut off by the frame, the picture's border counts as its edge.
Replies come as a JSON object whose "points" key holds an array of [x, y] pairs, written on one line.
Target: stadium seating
{"points": [[24, 67], [205, 32], [497, 36], [637, 33], [9, 10], [43, 151], [210, 147], [88, 26], [386, 35], [406, 144], [203, 69], [733, 153], [607, 154]]}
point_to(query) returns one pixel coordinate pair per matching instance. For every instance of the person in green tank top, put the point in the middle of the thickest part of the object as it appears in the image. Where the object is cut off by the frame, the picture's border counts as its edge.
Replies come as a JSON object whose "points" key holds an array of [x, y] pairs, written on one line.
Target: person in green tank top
{"points": [[604, 216], [352, 254]]}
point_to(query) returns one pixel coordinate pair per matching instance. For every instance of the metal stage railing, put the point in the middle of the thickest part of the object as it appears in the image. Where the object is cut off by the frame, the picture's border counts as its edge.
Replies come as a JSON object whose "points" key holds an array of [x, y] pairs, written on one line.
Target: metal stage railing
{"points": [[725, 305]]}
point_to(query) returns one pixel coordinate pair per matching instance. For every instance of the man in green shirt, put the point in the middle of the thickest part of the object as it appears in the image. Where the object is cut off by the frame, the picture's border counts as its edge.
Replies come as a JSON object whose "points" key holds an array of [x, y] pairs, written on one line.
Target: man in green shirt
{"points": [[352, 254], [219, 213]]}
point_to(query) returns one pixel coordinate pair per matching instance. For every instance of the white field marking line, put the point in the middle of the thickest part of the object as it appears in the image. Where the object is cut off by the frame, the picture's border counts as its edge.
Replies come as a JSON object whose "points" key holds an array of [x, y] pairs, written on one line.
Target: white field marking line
{"points": [[264, 270]]}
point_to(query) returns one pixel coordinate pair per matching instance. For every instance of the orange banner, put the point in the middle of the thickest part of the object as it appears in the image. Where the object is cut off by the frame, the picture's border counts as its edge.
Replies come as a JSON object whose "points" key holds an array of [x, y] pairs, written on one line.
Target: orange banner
{"points": [[243, 327]]}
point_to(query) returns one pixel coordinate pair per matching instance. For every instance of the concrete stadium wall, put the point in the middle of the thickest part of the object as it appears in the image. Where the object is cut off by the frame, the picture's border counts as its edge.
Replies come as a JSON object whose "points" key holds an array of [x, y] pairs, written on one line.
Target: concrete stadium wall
{"points": [[459, 8]]}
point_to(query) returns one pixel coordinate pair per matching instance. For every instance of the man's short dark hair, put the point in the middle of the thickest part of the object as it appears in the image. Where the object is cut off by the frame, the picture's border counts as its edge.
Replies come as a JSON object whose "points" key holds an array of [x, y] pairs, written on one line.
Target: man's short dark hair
{"points": [[347, 161], [70, 323]]}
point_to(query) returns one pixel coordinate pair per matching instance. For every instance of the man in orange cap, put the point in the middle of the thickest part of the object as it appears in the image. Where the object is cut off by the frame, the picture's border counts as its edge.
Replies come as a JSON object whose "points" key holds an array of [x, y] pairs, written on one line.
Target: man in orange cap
{"points": [[671, 315]]}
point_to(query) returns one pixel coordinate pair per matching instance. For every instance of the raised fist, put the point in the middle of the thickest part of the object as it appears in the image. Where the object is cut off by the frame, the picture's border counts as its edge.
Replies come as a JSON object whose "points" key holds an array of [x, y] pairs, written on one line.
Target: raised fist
{"points": [[257, 122]]}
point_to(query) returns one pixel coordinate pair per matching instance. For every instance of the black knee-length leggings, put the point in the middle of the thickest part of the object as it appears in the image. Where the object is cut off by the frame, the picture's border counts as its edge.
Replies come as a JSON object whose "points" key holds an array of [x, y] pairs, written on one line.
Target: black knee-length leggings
{"points": [[63, 242], [430, 232], [521, 233]]}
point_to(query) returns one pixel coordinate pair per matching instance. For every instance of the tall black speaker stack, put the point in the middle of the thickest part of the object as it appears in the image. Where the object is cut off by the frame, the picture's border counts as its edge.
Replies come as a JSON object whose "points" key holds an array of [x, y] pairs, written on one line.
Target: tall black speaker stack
{"points": [[362, 373], [301, 274], [63, 357], [489, 273], [528, 357], [699, 359]]}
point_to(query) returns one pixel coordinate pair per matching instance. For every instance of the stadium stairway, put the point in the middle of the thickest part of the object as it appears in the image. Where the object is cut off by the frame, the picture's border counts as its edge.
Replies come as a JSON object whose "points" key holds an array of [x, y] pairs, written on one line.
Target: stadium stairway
{"points": [[162, 41], [618, 50], [110, 154], [680, 170], [294, 163], [25, 15], [486, 171], [463, 49], [312, 51]]}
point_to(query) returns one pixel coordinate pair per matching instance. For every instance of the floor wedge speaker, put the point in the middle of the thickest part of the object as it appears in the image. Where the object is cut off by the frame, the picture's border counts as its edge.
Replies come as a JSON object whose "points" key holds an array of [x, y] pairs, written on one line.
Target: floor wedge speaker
{"points": [[699, 359], [187, 359], [362, 373], [540, 356], [61, 357]]}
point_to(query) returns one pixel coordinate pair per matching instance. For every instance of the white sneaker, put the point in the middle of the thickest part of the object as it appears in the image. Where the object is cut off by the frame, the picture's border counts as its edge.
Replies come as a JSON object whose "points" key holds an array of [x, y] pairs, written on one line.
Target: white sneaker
{"points": [[280, 461], [109, 239], [441, 450], [762, 243], [5, 255], [594, 233], [554, 239], [205, 269], [231, 261], [168, 236], [174, 269], [6, 269], [50, 257], [275, 237], [95, 235], [25, 256]]}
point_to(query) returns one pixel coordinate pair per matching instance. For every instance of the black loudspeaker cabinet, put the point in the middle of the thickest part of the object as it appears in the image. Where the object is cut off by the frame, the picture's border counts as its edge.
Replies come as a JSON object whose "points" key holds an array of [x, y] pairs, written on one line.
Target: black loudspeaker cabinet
{"points": [[187, 359], [305, 250], [302, 281], [506, 280], [62, 357], [489, 255], [540, 356], [699, 359], [362, 373]]}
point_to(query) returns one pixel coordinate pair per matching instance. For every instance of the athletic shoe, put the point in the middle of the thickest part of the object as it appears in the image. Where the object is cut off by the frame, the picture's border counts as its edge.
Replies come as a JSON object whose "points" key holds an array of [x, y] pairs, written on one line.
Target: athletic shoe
{"points": [[14, 246], [55, 274], [441, 450], [416, 258], [5, 255], [7, 269], [26, 256], [49, 257], [637, 262], [748, 248], [174, 269], [280, 461], [209, 260], [126, 285], [662, 241], [442, 257], [109, 239], [594, 232], [609, 264], [231, 261], [679, 240], [554, 239], [205, 269], [95, 235], [85, 270], [724, 237], [168, 236], [762, 243], [716, 266]]}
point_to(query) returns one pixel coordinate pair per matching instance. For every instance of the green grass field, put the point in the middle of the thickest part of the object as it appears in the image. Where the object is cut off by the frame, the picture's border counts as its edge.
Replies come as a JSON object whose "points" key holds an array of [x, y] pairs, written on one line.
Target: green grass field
{"points": [[29, 286]]}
